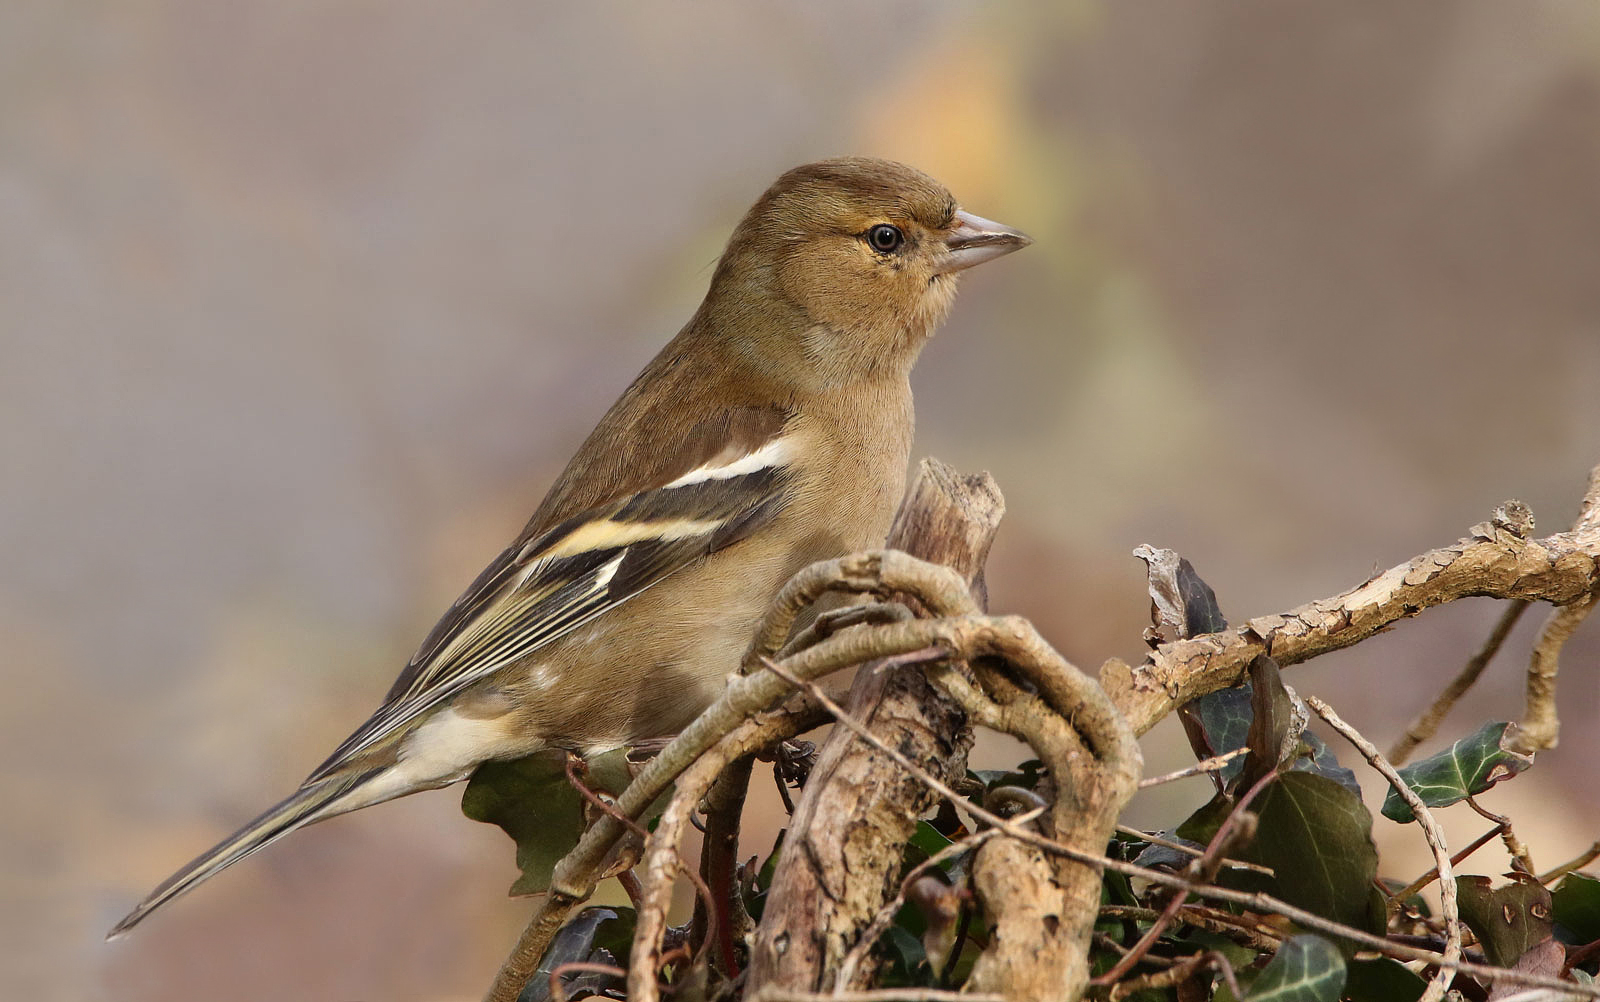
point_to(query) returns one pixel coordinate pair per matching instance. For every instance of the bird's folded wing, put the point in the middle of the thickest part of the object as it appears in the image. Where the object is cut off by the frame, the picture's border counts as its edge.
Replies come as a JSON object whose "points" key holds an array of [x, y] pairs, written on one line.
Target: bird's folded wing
{"points": [[543, 588]]}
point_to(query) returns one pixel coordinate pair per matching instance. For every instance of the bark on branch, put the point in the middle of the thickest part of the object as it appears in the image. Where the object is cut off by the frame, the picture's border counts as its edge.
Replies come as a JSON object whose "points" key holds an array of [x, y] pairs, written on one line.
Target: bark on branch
{"points": [[1039, 890], [845, 840], [1495, 561]]}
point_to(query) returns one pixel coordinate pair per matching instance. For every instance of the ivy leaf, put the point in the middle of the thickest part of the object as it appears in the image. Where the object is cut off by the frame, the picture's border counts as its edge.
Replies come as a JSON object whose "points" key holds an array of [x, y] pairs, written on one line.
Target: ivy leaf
{"points": [[1220, 722], [756, 901], [1468, 767], [1305, 969], [1181, 603], [907, 960], [1237, 954], [1201, 613], [531, 800], [1154, 855], [1317, 838], [1576, 904], [1508, 921], [596, 935], [1544, 959], [1382, 979], [1273, 718], [925, 841]]}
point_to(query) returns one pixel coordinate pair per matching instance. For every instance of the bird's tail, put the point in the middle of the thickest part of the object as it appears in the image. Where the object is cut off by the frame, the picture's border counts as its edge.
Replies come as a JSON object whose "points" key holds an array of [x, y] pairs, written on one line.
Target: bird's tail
{"points": [[307, 804]]}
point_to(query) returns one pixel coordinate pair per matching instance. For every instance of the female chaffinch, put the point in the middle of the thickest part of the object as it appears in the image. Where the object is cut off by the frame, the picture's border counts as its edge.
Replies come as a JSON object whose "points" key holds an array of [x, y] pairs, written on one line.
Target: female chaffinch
{"points": [[772, 432]]}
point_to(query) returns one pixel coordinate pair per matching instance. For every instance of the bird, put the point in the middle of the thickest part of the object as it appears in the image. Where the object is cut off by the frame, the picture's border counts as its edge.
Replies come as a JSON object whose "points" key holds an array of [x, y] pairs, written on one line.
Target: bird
{"points": [[773, 431]]}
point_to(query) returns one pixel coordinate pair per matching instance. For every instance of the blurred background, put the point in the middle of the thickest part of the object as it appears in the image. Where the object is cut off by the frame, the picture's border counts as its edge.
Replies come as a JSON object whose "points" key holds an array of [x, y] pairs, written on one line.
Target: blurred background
{"points": [[305, 303]]}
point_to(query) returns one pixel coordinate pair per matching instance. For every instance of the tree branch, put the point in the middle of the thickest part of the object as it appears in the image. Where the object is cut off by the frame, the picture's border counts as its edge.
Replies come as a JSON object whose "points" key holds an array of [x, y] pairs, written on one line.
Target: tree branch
{"points": [[1495, 561], [1427, 723], [1040, 889], [843, 850]]}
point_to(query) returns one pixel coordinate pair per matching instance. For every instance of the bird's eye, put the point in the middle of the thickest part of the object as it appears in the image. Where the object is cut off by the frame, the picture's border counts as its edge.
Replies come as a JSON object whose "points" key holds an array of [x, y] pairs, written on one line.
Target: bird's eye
{"points": [[884, 238]]}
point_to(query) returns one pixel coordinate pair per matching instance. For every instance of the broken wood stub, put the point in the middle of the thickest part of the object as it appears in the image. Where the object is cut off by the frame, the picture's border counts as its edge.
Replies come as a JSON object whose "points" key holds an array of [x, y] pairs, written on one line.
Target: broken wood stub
{"points": [[859, 807]]}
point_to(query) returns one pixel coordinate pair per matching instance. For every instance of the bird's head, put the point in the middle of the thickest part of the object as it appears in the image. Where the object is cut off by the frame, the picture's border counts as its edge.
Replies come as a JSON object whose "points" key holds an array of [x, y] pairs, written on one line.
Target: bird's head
{"points": [[844, 267]]}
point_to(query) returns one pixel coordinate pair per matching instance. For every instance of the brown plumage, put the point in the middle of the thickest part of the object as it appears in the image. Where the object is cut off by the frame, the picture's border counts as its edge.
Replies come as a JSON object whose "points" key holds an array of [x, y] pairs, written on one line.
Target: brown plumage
{"points": [[772, 432]]}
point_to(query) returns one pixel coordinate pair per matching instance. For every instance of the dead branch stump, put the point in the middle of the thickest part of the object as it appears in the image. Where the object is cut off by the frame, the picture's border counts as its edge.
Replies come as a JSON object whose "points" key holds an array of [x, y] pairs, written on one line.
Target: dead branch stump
{"points": [[849, 830]]}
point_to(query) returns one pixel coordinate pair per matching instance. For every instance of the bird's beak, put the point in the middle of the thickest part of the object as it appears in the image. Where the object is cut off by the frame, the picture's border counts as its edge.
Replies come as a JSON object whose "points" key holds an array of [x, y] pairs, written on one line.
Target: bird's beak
{"points": [[975, 240]]}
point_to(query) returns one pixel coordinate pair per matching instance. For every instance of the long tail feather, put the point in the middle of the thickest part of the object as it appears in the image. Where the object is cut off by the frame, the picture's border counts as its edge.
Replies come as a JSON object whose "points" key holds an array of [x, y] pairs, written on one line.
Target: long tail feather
{"points": [[304, 806]]}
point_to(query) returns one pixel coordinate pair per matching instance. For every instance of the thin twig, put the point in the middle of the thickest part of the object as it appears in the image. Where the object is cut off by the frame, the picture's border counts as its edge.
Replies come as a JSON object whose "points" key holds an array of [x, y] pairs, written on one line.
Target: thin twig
{"points": [[708, 901], [1178, 972], [558, 990], [1539, 725], [596, 800], [1203, 869], [773, 993], [783, 790], [1242, 930], [1200, 768], [1267, 903], [1105, 942], [1578, 862], [1427, 722], [719, 859], [1431, 832], [957, 947], [1225, 968], [1521, 858], [880, 921], [1189, 850], [1398, 898]]}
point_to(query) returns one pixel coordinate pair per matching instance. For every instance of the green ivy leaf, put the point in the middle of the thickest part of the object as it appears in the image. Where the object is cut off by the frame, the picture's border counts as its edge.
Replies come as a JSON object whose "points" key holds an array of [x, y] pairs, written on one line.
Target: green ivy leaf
{"points": [[1576, 905], [756, 901], [531, 800], [1382, 979], [907, 965], [1317, 757], [1416, 902], [1220, 722], [927, 841], [1217, 723], [1508, 921], [1153, 855], [1305, 969], [1466, 768], [1317, 838], [1201, 613], [596, 935]]}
